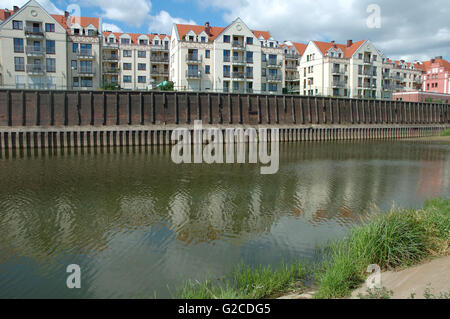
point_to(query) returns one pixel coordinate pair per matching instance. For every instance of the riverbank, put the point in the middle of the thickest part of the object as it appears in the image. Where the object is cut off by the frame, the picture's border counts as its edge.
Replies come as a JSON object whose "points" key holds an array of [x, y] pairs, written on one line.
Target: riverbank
{"points": [[394, 240], [437, 139]]}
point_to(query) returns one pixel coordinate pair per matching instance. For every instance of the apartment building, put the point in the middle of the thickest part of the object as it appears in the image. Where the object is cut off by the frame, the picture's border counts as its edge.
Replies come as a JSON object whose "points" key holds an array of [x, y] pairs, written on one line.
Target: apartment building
{"points": [[436, 77], [83, 51], [33, 50], [232, 59], [400, 76], [345, 70], [135, 61], [293, 52]]}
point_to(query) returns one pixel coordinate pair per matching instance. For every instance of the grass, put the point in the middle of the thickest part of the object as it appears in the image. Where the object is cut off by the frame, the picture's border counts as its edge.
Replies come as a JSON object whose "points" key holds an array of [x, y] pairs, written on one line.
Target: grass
{"points": [[399, 238], [445, 133], [248, 283]]}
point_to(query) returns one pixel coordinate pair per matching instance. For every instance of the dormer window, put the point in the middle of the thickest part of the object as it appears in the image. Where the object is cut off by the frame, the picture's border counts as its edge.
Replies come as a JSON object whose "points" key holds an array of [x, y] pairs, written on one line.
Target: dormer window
{"points": [[156, 42], [76, 31], [143, 42], [91, 32], [125, 41], [271, 44], [111, 40], [203, 39], [191, 38]]}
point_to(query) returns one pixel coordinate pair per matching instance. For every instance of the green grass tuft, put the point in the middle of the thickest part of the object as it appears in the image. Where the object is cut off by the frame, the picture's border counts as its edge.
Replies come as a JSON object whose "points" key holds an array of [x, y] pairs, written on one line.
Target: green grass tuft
{"points": [[445, 133]]}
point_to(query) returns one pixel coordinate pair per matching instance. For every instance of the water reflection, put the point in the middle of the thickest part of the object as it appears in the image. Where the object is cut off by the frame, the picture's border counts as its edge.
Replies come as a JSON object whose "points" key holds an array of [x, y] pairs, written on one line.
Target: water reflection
{"points": [[138, 222]]}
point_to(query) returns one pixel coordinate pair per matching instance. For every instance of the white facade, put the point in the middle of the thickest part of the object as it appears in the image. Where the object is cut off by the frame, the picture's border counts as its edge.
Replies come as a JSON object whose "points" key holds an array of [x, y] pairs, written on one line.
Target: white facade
{"points": [[400, 76], [33, 50], [351, 70], [232, 59]]}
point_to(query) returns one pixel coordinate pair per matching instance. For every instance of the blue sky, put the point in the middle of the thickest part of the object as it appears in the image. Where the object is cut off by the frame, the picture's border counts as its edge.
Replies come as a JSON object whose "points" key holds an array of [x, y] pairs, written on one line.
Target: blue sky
{"points": [[410, 30]]}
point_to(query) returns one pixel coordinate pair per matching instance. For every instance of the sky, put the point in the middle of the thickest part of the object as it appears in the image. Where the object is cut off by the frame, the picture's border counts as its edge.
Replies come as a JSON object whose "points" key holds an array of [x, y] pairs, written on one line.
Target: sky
{"points": [[410, 30]]}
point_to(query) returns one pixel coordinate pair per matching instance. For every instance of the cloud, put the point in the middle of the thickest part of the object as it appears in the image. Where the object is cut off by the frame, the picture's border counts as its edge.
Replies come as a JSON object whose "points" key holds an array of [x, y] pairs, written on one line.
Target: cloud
{"points": [[111, 27], [162, 22], [413, 30], [46, 4]]}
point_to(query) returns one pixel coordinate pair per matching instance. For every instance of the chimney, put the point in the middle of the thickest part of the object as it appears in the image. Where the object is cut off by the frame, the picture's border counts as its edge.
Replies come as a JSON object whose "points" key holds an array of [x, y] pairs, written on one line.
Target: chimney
{"points": [[66, 14], [16, 8], [7, 14], [207, 28], [349, 43], [439, 57]]}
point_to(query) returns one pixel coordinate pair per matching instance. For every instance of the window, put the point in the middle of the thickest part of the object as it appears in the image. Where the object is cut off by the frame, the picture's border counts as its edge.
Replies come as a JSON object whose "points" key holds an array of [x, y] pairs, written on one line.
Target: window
{"points": [[142, 79], [142, 54], [17, 25], [75, 47], [86, 49], [19, 64], [235, 86], [86, 82], [51, 64], [207, 69], [18, 45], [263, 87], [86, 67], [50, 46], [226, 55], [127, 79], [226, 71], [207, 54], [125, 41], [127, 66], [226, 38], [126, 53], [203, 39], [249, 40], [360, 56], [264, 57], [263, 72], [49, 27], [249, 57], [76, 82], [142, 66], [91, 32], [74, 64]]}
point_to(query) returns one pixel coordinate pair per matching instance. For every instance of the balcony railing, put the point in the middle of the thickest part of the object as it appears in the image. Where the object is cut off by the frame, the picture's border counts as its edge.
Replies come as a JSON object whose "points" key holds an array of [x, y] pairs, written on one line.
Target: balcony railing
{"points": [[193, 74], [85, 53], [338, 71], [35, 69], [367, 61], [193, 58], [31, 50], [34, 31], [111, 70], [109, 45], [273, 78], [226, 58], [273, 63], [159, 59], [237, 60], [226, 74], [293, 78], [292, 56], [238, 45], [18, 49], [87, 70], [249, 75], [160, 47], [339, 84], [238, 75], [291, 67], [111, 57], [160, 72]]}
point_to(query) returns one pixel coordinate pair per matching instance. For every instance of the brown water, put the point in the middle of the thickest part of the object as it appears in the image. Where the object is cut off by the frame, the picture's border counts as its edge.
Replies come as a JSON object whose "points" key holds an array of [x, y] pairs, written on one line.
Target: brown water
{"points": [[139, 225]]}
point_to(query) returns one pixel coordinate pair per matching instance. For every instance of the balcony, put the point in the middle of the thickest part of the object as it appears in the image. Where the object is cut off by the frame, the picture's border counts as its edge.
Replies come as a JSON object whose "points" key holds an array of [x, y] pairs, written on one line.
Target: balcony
{"points": [[294, 78], [237, 60], [226, 58], [87, 71], [273, 63], [249, 76], [226, 75], [273, 78], [338, 71], [386, 75], [34, 32], [159, 59], [368, 86], [339, 84], [85, 54], [292, 56], [160, 47], [35, 69], [193, 59], [238, 45], [35, 51], [238, 76], [290, 67], [193, 75], [110, 70], [367, 60], [111, 57], [156, 72], [111, 46]]}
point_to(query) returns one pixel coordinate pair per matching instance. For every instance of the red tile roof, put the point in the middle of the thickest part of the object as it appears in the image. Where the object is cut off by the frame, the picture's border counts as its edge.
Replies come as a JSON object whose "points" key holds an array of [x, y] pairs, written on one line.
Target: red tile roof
{"points": [[4, 14], [214, 32], [443, 63], [348, 51], [134, 36], [301, 47], [83, 21]]}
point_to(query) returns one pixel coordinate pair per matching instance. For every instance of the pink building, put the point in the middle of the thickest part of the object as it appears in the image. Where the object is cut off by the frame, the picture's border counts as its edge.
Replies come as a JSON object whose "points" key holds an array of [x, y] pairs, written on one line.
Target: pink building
{"points": [[436, 77], [420, 96]]}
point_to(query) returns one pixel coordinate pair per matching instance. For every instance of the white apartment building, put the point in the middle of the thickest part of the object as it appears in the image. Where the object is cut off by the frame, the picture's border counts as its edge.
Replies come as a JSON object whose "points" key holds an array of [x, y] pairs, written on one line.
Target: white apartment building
{"points": [[401, 76], [33, 50], [232, 59], [292, 54], [345, 70], [135, 61]]}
